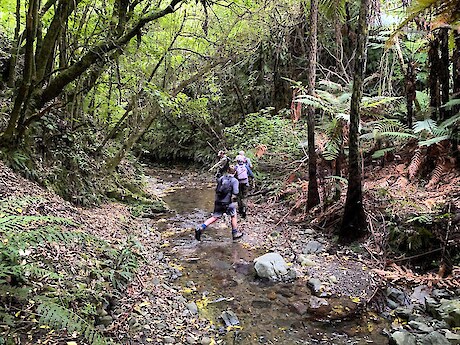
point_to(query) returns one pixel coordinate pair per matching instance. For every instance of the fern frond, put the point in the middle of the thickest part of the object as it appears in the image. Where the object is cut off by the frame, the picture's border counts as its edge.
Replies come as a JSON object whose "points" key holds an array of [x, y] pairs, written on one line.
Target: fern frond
{"points": [[422, 219], [415, 164], [427, 125], [433, 141], [373, 102], [59, 317], [381, 153], [450, 121], [389, 128], [437, 172]]}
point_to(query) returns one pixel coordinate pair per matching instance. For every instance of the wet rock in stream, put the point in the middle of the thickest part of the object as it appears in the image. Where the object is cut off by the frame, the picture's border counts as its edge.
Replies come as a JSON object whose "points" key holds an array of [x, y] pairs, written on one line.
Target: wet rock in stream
{"points": [[230, 319], [273, 267]]}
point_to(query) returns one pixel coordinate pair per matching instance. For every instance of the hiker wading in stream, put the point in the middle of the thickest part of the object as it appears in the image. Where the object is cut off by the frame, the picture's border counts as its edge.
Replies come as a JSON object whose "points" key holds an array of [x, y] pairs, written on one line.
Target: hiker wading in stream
{"points": [[242, 173], [222, 165], [226, 194]]}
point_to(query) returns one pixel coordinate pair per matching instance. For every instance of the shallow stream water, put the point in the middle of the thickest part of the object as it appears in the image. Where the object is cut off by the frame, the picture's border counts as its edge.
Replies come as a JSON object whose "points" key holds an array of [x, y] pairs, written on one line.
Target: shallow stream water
{"points": [[217, 273]]}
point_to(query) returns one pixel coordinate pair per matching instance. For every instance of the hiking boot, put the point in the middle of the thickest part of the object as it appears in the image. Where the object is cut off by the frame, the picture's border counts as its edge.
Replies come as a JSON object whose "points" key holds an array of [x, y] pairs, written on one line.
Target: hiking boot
{"points": [[236, 235], [198, 231]]}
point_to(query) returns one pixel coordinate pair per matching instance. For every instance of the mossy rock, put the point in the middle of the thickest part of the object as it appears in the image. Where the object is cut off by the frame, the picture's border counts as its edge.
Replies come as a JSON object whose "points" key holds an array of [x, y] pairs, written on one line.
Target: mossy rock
{"points": [[150, 210]]}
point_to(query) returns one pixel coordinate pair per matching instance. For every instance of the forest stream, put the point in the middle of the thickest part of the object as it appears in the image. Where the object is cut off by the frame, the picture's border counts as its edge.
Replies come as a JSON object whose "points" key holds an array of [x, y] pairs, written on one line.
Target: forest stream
{"points": [[218, 278]]}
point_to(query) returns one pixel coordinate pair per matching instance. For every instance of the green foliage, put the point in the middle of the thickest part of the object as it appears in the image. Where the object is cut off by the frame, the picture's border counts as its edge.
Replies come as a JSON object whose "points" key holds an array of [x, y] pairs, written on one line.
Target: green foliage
{"points": [[50, 288], [262, 128], [386, 129], [430, 133], [413, 239], [58, 317]]}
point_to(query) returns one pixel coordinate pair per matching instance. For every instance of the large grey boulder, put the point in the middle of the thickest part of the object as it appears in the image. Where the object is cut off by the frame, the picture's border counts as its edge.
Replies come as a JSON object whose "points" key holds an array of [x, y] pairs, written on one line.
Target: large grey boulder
{"points": [[402, 337], [434, 338], [449, 311], [271, 266]]}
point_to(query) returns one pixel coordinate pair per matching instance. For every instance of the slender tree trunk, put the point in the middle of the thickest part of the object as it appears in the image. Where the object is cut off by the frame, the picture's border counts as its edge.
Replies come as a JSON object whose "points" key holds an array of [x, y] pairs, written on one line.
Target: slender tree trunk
{"points": [[354, 219], [312, 45], [410, 91], [28, 99], [433, 78], [23, 92], [444, 72], [15, 49], [132, 139], [456, 92]]}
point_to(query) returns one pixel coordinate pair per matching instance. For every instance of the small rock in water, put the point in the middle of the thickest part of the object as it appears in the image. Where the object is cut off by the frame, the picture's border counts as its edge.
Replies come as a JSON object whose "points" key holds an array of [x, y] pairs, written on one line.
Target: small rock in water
{"points": [[192, 307], [313, 247], [422, 327], [316, 302], [205, 341], [230, 319], [397, 296], [315, 285], [191, 340], [449, 311], [452, 337], [270, 265], [299, 308], [305, 260], [333, 279], [169, 340]]}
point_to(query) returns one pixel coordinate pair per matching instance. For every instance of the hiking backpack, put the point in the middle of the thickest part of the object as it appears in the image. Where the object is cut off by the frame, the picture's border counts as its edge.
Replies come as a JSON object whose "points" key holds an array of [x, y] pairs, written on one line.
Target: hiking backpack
{"points": [[241, 172], [224, 187]]}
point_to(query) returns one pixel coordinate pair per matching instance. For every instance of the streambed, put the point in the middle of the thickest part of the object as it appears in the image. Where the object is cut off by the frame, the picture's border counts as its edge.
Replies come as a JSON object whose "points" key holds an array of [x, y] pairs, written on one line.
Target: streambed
{"points": [[216, 276]]}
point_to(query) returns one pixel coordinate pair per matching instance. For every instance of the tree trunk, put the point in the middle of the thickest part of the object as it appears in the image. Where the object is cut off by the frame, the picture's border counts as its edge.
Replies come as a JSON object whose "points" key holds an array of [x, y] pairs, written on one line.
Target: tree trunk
{"points": [[23, 92], [132, 139], [313, 193], [433, 78], [32, 97], [456, 92], [444, 72], [410, 91], [15, 49], [354, 219]]}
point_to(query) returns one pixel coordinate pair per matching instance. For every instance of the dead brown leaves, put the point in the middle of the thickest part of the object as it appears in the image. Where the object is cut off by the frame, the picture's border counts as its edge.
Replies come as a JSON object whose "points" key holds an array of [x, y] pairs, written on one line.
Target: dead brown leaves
{"points": [[395, 273]]}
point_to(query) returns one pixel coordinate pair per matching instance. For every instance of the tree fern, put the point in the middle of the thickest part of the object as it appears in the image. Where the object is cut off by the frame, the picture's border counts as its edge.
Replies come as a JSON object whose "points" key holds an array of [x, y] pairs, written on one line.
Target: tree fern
{"points": [[431, 133], [386, 128]]}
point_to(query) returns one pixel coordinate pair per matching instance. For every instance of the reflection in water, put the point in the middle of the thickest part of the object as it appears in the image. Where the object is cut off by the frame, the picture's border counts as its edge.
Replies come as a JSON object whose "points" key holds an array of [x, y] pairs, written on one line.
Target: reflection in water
{"points": [[223, 273]]}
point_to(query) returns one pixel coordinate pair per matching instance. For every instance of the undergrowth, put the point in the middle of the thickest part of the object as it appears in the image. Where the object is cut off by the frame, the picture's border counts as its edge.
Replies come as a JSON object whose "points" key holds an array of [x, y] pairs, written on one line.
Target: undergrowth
{"points": [[55, 278]]}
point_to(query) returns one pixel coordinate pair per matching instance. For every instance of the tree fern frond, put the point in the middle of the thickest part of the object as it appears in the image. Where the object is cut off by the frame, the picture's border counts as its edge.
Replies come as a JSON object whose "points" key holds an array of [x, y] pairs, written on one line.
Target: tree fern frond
{"points": [[381, 153], [373, 102], [450, 121], [330, 85], [427, 125], [434, 140]]}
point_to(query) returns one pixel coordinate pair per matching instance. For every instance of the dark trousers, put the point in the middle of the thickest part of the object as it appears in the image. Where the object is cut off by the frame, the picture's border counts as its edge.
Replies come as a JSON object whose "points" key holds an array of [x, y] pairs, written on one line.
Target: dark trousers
{"points": [[242, 203]]}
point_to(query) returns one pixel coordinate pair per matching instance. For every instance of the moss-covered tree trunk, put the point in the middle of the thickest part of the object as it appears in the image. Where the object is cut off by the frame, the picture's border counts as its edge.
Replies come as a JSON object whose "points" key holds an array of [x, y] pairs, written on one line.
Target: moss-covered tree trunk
{"points": [[313, 194], [354, 219]]}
